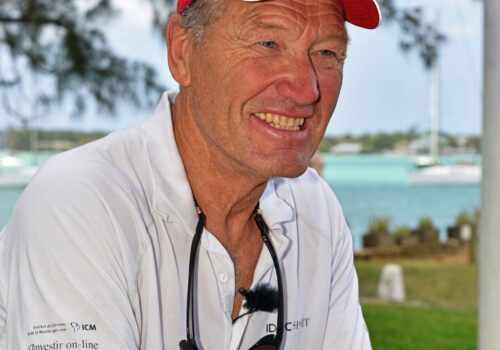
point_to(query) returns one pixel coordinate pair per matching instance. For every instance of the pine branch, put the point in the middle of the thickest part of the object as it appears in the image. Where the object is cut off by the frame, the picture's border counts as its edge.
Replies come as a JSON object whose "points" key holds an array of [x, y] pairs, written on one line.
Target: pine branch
{"points": [[33, 20], [9, 83]]}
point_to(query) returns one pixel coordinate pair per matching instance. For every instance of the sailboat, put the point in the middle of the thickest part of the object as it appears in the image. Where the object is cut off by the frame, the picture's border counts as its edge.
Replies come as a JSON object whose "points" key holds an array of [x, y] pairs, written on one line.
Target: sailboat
{"points": [[19, 178], [429, 169], [13, 172]]}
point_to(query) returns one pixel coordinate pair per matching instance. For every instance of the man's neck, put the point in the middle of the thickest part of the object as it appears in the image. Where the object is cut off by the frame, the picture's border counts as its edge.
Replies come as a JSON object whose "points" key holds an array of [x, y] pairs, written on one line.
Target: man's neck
{"points": [[227, 197]]}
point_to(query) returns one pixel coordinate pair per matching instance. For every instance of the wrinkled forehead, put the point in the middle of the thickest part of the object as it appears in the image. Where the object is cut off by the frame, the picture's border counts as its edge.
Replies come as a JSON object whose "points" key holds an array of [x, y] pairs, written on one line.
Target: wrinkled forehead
{"points": [[313, 19], [362, 13]]}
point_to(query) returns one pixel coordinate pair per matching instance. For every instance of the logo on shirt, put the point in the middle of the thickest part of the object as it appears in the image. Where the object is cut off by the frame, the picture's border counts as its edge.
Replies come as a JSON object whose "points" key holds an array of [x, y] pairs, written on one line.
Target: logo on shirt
{"points": [[75, 326], [289, 326], [83, 326]]}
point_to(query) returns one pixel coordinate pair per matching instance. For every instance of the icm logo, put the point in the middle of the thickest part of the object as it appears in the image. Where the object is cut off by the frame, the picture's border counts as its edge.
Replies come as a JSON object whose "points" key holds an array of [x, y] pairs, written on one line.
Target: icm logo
{"points": [[89, 327], [84, 327], [76, 326]]}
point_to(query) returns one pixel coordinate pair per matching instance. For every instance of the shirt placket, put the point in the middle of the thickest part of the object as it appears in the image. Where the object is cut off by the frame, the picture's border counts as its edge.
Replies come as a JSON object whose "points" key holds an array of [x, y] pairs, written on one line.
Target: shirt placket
{"points": [[223, 272], [223, 269]]}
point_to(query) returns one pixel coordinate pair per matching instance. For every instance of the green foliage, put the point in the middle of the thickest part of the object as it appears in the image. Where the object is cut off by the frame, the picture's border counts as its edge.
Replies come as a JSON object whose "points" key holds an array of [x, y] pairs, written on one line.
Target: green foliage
{"points": [[20, 139], [452, 141], [399, 327], [416, 34], [326, 143], [476, 216], [402, 231], [379, 142], [463, 218], [61, 43], [425, 223], [474, 142], [378, 226]]}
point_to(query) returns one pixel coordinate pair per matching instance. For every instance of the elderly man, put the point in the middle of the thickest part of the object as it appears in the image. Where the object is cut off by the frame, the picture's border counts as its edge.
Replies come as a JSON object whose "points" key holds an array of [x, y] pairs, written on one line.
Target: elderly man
{"points": [[202, 228]]}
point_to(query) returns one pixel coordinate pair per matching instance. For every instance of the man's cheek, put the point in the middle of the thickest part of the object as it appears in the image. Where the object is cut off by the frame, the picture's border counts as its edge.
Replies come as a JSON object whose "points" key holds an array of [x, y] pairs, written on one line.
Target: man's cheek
{"points": [[330, 90]]}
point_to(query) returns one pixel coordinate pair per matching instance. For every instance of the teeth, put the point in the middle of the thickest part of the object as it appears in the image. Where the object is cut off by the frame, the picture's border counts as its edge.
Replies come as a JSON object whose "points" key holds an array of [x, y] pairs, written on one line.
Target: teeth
{"points": [[280, 121]]}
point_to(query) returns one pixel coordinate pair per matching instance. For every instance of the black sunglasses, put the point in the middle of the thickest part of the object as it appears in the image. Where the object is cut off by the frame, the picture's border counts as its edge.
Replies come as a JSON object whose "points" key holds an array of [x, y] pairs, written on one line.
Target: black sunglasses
{"points": [[268, 342]]}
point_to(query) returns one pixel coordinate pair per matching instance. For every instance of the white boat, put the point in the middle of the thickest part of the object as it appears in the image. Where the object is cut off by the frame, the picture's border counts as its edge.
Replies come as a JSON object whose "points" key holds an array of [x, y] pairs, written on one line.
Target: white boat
{"points": [[425, 161], [11, 161], [429, 171], [454, 174], [13, 173], [19, 178]]}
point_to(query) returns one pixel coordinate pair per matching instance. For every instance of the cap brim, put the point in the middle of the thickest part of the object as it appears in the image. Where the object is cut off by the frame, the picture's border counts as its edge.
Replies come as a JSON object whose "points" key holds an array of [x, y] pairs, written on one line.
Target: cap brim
{"points": [[361, 13]]}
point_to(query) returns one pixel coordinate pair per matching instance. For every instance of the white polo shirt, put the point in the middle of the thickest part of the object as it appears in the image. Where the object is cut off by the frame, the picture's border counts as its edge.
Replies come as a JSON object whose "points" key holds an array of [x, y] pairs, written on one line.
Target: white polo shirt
{"points": [[96, 256]]}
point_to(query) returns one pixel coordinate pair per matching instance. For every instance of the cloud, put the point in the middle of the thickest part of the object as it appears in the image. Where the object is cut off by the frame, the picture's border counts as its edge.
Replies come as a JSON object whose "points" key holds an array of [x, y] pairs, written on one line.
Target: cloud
{"points": [[135, 13]]}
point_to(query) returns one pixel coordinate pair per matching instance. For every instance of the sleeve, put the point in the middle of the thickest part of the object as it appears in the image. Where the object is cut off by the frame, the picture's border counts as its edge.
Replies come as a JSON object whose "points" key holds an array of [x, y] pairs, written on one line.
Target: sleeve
{"points": [[64, 283], [346, 328]]}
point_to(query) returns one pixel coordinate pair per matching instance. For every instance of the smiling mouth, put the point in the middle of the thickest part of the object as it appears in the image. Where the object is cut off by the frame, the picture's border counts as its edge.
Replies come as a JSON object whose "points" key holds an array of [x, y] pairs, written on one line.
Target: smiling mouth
{"points": [[280, 121]]}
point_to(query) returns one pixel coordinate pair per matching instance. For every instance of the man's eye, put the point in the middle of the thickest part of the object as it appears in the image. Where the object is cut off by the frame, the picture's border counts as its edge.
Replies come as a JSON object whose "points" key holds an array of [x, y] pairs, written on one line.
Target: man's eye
{"points": [[268, 44], [326, 53]]}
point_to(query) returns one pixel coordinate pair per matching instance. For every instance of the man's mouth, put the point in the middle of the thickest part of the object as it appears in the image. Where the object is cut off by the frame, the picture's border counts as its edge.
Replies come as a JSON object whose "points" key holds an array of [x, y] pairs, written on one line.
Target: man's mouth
{"points": [[280, 121]]}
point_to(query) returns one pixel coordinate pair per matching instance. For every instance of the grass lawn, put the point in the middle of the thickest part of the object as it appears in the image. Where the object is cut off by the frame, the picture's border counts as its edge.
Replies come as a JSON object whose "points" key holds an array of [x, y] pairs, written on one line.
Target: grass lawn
{"points": [[448, 286], [445, 318], [398, 327]]}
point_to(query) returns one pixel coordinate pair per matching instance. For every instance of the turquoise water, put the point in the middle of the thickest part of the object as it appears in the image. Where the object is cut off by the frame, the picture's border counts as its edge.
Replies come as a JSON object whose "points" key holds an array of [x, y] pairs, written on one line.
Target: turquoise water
{"points": [[8, 197], [367, 186], [377, 185]]}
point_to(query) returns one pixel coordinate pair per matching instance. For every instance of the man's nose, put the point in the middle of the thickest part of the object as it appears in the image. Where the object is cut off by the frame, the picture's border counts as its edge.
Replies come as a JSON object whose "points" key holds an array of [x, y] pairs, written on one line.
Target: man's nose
{"points": [[299, 81]]}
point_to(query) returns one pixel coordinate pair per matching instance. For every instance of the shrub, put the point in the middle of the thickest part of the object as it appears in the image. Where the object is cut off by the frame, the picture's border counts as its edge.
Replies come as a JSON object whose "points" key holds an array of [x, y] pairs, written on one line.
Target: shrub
{"points": [[425, 223], [379, 226], [463, 218], [402, 231], [476, 216]]}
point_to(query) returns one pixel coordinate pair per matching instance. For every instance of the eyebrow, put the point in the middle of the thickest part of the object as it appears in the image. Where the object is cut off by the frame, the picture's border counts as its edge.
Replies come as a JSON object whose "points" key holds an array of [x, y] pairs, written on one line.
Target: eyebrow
{"points": [[344, 37]]}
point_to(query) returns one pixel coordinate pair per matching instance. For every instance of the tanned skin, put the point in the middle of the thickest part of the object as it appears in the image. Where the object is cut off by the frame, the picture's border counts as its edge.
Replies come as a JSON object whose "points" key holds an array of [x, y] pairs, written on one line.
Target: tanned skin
{"points": [[280, 57]]}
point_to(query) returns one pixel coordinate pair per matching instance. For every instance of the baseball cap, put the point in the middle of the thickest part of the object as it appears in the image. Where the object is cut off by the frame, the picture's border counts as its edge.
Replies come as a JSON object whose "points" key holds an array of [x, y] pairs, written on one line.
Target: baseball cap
{"points": [[361, 13]]}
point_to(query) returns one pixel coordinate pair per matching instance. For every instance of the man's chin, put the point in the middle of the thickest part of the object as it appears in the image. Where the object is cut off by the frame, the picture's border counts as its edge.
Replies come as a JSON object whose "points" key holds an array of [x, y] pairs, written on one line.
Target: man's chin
{"points": [[290, 170], [286, 164]]}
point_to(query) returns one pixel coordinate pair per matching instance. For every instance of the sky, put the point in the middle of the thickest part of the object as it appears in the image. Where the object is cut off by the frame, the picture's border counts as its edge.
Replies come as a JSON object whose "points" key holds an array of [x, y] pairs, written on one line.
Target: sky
{"points": [[384, 89]]}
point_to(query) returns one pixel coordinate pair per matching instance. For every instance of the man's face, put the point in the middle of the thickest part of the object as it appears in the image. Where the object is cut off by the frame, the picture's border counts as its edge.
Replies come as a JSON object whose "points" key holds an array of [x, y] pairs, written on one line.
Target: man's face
{"points": [[265, 83]]}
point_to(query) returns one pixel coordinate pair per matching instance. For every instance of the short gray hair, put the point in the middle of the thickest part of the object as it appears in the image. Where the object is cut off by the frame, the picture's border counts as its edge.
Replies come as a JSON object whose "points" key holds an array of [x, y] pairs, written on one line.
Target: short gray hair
{"points": [[199, 16]]}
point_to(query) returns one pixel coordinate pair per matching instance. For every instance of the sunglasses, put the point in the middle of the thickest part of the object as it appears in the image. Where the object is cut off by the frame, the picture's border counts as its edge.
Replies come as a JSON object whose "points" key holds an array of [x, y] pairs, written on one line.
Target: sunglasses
{"points": [[268, 342]]}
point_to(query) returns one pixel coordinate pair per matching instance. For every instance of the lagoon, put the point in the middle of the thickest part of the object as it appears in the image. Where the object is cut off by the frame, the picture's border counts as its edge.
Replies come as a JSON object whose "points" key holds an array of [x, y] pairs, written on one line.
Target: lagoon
{"points": [[367, 186], [378, 185]]}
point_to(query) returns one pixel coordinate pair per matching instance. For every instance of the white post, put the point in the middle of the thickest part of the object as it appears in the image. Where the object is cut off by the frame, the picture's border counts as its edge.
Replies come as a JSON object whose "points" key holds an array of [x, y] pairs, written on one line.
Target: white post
{"points": [[489, 237]]}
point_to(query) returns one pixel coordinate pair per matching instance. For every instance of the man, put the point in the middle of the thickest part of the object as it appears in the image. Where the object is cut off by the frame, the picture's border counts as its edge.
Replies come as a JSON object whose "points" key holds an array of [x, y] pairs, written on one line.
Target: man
{"points": [[99, 248]]}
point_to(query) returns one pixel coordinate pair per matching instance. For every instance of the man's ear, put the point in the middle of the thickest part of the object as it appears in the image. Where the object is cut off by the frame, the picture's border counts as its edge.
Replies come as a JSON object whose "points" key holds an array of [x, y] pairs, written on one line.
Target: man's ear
{"points": [[179, 49]]}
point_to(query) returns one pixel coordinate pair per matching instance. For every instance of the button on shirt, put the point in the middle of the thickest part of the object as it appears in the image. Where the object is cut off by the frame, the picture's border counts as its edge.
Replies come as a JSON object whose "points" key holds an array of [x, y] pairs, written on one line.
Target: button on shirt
{"points": [[96, 256]]}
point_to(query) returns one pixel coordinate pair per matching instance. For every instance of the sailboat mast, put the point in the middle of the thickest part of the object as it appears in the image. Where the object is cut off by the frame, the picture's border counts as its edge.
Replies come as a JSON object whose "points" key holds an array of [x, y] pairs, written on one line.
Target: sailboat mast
{"points": [[435, 111]]}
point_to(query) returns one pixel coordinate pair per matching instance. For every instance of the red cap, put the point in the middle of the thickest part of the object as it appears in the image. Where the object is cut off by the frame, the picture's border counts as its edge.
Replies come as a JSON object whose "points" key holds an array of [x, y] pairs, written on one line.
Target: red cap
{"points": [[362, 13]]}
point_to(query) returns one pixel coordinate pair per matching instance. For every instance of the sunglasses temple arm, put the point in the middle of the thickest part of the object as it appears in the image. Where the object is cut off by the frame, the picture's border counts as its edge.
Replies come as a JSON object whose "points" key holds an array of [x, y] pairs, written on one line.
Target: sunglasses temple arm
{"points": [[190, 297], [265, 237]]}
